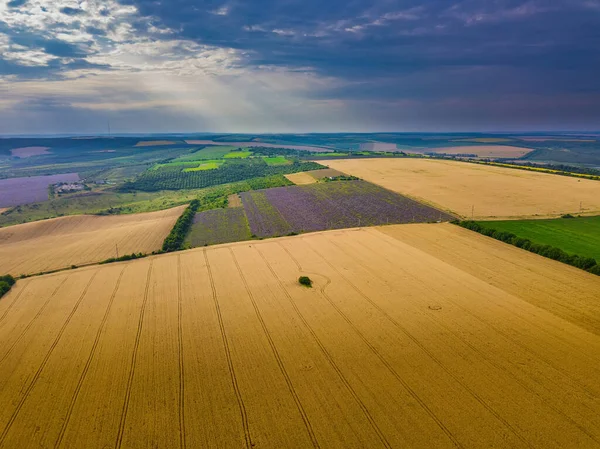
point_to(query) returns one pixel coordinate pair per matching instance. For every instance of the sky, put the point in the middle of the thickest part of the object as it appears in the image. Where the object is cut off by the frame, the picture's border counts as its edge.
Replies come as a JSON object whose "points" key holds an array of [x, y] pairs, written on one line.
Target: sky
{"points": [[260, 66]]}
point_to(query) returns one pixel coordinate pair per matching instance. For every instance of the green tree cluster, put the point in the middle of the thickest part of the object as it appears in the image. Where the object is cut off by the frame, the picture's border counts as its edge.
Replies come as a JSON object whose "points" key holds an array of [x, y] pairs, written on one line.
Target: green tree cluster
{"points": [[6, 283], [132, 256], [551, 252], [176, 237], [174, 178]]}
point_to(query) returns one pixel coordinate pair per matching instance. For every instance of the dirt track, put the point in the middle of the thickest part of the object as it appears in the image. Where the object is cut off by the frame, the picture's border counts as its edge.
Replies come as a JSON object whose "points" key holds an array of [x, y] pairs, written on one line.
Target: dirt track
{"points": [[413, 336], [478, 191], [81, 239]]}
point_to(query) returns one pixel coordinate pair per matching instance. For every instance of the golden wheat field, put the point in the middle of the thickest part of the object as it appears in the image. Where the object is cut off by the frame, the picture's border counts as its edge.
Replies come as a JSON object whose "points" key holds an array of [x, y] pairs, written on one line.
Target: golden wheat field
{"points": [[403, 341], [301, 178], [61, 242], [478, 191]]}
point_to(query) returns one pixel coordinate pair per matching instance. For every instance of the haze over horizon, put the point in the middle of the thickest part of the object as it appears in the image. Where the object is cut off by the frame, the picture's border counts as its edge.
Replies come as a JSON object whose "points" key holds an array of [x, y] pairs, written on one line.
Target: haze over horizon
{"points": [[268, 66]]}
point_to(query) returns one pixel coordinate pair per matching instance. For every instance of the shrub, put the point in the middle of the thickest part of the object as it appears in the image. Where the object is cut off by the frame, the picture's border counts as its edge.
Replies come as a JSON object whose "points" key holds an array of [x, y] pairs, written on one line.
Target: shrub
{"points": [[305, 280], [6, 282], [4, 287], [8, 279], [132, 256], [595, 270]]}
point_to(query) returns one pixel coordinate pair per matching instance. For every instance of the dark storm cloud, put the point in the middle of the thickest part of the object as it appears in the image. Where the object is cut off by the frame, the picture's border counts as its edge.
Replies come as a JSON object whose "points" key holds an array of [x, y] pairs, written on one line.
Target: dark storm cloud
{"points": [[366, 40], [437, 56]]}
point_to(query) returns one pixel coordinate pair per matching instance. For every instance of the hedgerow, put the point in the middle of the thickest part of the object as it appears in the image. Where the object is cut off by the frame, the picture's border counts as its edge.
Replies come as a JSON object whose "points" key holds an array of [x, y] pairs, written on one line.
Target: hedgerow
{"points": [[585, 263], [176, 237], [124, 258]]}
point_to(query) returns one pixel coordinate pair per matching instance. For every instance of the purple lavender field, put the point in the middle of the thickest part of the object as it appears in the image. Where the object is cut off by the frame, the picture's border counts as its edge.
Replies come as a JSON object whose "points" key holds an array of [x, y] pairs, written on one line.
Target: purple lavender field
{"points": [[18, 191], [332, 205], [219, 226]]}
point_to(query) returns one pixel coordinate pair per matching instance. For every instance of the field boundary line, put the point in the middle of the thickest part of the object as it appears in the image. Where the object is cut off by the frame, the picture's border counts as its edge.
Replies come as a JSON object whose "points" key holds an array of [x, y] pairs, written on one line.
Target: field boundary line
{"points": [[182, 440], [390, 368], [37, 315], [425, 350], [529, 323], [277, 356], [8, 309], [45, 361], [507, 260], [328, 356], [88, 362], [234, 381], [136, 345], [490, 361]]}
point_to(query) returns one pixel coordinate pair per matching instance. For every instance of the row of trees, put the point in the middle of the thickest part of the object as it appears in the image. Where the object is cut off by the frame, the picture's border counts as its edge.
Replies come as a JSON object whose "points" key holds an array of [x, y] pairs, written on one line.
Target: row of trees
{"points": [[131, 256], [551, 252], [6, 283], [176, 237], [174, 178]]}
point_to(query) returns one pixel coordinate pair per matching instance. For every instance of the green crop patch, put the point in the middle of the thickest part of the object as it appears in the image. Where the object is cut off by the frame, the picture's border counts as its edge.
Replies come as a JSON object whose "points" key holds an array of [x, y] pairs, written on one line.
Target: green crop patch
{"points": [[208, 153], [205, 165], [277, 160], [238, 155], [579, 235]]}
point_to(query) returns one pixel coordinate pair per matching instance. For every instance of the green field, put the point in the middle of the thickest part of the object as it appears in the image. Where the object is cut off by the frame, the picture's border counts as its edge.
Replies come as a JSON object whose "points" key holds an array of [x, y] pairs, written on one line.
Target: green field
{"points": [[277, 160], [580, 236], [207, 153], [184, 165], [237, 155], [206, 165]]}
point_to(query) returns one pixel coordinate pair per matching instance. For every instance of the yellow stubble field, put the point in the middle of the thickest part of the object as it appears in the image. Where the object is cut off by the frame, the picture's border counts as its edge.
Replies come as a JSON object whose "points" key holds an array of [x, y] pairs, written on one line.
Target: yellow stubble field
{"points": [[301, 178], [406, 339], [76, 240], [478, 191]]}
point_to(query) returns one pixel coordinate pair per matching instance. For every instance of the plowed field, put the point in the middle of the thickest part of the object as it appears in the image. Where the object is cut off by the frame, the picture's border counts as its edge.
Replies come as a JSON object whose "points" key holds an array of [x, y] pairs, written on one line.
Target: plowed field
{"points": [[61, 242], [478, 191], [426, 336]]}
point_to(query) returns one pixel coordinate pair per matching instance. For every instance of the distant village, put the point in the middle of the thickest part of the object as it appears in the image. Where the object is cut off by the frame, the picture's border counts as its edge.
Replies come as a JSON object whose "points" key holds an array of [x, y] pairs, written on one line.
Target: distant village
{"points": [[62, 188]]}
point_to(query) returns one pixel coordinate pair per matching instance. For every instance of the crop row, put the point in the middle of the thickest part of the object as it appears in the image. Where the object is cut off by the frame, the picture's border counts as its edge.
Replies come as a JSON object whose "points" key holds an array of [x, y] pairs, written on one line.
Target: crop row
{"points": [[174, 178], [331, 205], [219, 226]]}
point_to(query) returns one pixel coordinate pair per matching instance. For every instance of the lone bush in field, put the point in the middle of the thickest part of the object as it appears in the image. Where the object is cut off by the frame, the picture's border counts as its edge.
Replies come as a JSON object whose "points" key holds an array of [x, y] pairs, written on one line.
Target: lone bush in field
{"points": [[6, 282], [305, 280]]}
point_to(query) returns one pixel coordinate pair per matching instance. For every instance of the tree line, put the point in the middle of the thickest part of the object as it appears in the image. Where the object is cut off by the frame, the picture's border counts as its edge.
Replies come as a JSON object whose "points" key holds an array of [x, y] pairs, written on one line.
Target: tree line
{"points": [[176, 237], [585, 263]]}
